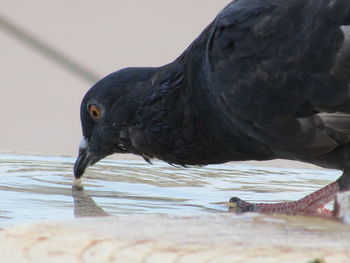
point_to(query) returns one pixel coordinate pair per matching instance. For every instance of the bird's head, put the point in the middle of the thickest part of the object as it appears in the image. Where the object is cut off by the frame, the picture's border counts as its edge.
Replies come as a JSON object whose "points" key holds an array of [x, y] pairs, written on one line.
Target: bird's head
{"points": [[107, 111]]}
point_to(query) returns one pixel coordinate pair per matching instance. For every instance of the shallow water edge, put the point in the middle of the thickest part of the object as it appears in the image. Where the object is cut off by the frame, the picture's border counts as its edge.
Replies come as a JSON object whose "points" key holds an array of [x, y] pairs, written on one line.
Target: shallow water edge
{"points": [[36, 188]]}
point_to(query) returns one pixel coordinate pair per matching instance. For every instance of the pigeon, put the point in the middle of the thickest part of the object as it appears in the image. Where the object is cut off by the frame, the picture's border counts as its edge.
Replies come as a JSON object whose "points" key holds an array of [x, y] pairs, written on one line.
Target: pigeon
{"points": [[267, 79]]}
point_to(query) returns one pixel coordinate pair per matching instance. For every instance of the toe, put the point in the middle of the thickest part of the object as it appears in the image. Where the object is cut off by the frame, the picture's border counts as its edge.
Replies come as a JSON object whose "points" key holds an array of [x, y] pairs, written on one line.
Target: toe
{"points": [[237, 205]]}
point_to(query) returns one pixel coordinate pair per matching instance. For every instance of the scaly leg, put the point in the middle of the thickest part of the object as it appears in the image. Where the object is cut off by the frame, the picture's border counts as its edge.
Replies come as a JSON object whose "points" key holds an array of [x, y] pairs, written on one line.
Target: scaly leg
{"points": [[312, 204]]}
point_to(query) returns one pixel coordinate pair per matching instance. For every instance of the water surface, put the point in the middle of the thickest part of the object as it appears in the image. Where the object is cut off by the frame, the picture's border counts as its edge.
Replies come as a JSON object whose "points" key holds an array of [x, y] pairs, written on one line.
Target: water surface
{"points": [[35, 188]]}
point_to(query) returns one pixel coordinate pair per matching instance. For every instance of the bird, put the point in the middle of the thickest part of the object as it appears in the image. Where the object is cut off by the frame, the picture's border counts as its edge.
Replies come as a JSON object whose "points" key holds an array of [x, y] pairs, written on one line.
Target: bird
{"points": [[266, 79]]}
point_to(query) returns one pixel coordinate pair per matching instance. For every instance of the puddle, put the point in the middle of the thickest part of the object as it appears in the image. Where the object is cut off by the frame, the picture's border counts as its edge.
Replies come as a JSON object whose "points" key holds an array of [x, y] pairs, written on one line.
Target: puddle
{"points": [[35, 188]]}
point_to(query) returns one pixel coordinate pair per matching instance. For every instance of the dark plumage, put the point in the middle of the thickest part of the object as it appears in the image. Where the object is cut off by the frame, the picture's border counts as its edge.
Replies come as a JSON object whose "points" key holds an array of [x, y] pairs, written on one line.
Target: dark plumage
{"points": [[266, 79]]}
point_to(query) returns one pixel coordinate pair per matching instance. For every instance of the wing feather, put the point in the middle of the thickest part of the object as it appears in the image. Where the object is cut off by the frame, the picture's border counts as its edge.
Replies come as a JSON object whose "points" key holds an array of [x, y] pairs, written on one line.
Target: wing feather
{"points": [[269, 64]]}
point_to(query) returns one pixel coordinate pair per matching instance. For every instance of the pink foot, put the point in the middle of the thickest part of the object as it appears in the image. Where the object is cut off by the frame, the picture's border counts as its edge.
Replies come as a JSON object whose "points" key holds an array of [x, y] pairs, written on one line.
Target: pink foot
{"points": [[312, 204]]}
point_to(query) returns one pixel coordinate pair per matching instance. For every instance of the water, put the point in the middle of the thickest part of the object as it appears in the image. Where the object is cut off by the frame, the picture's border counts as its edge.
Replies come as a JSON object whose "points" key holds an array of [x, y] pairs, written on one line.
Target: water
{"points": [[35, 188]]}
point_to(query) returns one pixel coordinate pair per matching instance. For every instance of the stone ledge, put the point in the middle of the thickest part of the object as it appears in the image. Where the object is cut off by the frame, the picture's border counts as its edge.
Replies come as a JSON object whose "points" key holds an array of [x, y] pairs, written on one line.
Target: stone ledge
{"points": [[163, 238]]}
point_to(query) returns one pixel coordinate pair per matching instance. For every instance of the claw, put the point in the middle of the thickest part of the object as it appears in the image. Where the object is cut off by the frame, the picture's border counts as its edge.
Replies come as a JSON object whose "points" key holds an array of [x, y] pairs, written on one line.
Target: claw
{"points": [[237, 205]]}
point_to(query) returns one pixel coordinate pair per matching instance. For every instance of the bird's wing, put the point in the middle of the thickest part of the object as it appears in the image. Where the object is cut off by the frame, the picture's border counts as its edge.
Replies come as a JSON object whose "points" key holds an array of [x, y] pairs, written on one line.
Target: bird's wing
{"points": [[268, 69]]}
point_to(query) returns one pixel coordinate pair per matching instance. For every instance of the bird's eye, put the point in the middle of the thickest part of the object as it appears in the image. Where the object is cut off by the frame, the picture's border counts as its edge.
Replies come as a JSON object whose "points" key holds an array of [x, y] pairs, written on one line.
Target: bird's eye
{"points": [[95, 112]]}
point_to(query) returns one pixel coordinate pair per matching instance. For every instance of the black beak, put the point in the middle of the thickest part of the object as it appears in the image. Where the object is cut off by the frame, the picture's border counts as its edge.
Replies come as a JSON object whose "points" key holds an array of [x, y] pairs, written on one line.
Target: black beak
{"points": [[86, 158], [82, 162]]}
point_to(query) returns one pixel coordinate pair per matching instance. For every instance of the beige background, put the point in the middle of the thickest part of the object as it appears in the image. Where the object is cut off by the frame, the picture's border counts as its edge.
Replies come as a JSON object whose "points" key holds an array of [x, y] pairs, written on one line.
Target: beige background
{"points": [[40, 99]]}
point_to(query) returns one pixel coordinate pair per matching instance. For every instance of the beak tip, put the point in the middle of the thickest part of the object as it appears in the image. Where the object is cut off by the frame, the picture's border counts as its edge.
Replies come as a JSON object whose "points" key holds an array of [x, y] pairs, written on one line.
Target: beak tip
{"points": [[79, 167], [83, 159], [77, 174]]}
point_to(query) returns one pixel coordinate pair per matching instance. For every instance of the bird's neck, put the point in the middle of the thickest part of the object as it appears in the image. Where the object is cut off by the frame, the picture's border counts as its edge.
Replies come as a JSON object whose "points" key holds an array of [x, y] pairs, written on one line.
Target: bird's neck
{"points": [[171, 121], [177, 121]]}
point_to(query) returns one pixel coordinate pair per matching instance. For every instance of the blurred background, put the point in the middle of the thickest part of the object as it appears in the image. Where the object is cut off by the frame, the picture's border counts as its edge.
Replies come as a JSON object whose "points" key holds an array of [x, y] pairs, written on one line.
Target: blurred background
{"points": [[53, 51]]}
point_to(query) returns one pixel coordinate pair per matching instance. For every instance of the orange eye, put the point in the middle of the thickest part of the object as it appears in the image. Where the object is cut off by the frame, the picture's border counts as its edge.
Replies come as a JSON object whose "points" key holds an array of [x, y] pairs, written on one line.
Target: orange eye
{"points": [[94, 112]]}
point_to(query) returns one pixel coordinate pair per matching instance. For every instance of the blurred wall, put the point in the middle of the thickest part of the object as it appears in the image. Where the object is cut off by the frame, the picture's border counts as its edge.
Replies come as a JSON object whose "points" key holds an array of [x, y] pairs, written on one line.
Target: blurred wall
{"points": [[40, 98]]}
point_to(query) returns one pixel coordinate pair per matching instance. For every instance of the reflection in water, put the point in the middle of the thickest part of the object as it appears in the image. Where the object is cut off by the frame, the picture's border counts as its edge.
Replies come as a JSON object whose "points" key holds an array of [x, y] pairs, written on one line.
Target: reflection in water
{"points": [[36, 188], [84, 205]]}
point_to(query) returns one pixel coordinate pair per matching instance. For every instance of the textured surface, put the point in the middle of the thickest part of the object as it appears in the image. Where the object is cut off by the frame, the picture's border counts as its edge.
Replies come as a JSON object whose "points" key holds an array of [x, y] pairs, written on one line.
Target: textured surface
{"points": [[156, 238]]}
